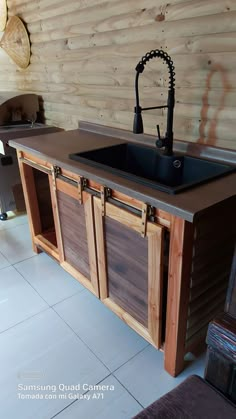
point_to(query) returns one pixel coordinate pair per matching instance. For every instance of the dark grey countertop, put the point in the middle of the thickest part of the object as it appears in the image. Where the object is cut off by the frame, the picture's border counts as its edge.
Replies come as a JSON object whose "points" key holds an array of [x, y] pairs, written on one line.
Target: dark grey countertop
{"points": [[56, 148]]}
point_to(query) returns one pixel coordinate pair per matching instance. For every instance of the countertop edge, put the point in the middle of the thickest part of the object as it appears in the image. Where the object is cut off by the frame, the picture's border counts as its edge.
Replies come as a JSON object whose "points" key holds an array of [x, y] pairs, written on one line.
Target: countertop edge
{"points": [[101, 177]]}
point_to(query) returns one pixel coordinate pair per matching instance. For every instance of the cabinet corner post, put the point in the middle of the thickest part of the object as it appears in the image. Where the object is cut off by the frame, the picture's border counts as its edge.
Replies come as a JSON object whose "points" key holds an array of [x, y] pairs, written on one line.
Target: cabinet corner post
{"points": [[180, 263]]}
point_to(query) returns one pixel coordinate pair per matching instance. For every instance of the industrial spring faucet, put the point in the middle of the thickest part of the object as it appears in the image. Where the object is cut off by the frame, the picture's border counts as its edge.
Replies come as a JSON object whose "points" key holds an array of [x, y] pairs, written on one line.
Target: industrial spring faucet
{"points": [[167, 141]]}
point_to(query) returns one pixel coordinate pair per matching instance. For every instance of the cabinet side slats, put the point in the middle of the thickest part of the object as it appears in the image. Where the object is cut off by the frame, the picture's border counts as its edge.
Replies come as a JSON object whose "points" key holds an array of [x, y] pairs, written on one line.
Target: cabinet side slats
{"points": [[214, 239]]}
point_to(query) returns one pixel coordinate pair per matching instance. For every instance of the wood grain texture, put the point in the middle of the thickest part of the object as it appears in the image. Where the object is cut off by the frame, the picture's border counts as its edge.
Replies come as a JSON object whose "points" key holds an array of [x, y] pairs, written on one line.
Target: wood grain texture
{"points": [[79, 276], [84, 55], [101, 252], [55, 210], [47, 242], [213, 249], [181, 248], [127, 269], [131, 269], [128, 319], [90, 228], [155, 285], [74, 234], [230, 304], [28, 184], [42, 188]]}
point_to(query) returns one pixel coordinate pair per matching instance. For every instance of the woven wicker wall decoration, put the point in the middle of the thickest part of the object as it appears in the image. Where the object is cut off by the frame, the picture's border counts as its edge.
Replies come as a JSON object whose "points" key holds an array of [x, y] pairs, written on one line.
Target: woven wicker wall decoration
{"points": [[15, 42], [3, 14]]}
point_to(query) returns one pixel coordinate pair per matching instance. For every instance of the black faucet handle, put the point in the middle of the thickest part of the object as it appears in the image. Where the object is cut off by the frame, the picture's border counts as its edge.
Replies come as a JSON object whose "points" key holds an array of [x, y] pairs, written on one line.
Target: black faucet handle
{"points": [[158, 132], [160, 142]]}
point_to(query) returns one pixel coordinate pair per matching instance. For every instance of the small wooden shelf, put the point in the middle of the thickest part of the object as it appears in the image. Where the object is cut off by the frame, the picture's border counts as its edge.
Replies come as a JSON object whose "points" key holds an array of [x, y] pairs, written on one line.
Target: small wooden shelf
{"points": [[47, 241]]}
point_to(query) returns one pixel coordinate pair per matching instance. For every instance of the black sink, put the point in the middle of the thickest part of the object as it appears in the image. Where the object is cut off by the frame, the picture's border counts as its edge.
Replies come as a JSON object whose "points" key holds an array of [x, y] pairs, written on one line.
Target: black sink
{"points": [[147, 166]]}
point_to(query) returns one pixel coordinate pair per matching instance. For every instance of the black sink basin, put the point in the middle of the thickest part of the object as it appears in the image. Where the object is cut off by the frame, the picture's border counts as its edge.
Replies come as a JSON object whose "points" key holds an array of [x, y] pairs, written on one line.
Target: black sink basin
{"points": [[147, 166]]}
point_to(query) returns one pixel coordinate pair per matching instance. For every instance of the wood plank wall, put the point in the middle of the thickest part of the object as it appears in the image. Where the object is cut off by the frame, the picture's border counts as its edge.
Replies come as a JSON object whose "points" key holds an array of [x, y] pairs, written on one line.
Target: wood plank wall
{"points": [[84, 53]]}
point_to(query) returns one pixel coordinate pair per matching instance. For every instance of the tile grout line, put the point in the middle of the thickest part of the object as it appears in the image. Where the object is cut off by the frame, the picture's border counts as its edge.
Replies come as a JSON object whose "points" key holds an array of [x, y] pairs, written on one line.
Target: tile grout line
{"points": [[22, 321], [111, 373], [77, 400], [127, 390], [52, 307], [30, 285], [66, 407], [139, 352], [11, 228], [15, 263], [81, 340], [94, 352], [49, 305]]}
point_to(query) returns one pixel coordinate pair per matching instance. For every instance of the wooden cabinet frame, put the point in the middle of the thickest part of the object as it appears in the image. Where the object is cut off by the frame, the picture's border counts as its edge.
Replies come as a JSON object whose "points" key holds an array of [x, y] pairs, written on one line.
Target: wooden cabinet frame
{"points": [[155, 235], [70, 185], [26, 165]]}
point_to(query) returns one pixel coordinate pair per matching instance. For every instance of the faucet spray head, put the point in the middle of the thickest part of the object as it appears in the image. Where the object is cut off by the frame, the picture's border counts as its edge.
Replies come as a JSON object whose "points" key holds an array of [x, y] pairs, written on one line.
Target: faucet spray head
{"points": [[138, 120]]}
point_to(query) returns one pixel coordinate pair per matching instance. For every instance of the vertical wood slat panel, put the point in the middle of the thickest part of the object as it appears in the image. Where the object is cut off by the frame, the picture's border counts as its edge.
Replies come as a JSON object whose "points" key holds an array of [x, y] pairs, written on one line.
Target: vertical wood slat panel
{"points": [[155, 285], [73, 227], [127, 269], [212, 257], [181, 248], [144, 315], [90, 228], [55, 209], [101, 250], [77, 231]]}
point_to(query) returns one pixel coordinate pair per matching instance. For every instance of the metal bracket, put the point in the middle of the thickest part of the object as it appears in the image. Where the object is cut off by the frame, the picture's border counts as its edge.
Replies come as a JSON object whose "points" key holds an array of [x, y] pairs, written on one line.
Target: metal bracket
{"points": [[105, 193], [82, 183], [144, 220], [55, 173], [80, 189], [151, 213], [148, 214]]}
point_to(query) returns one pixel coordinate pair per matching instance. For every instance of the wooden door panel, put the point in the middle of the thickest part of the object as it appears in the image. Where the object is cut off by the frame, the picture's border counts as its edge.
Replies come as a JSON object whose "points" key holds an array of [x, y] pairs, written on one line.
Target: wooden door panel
{"points": [[77, 232], [73, 229], [127, 259], [130, 268]]}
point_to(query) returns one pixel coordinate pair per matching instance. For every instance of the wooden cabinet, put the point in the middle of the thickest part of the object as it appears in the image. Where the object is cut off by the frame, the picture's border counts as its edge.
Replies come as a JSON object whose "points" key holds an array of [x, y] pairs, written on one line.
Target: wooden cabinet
{"points": [[130, 265], [164, 276]]}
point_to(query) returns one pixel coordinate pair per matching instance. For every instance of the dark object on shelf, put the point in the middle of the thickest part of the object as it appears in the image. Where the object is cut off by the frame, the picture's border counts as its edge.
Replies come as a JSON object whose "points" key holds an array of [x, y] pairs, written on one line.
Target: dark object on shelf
{"points": [[194, 398], [145, 165]]}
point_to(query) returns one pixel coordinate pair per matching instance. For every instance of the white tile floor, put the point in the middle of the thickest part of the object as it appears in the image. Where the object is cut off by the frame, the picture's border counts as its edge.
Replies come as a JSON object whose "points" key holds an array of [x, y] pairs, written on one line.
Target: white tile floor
{"points": [[56, 336]]}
